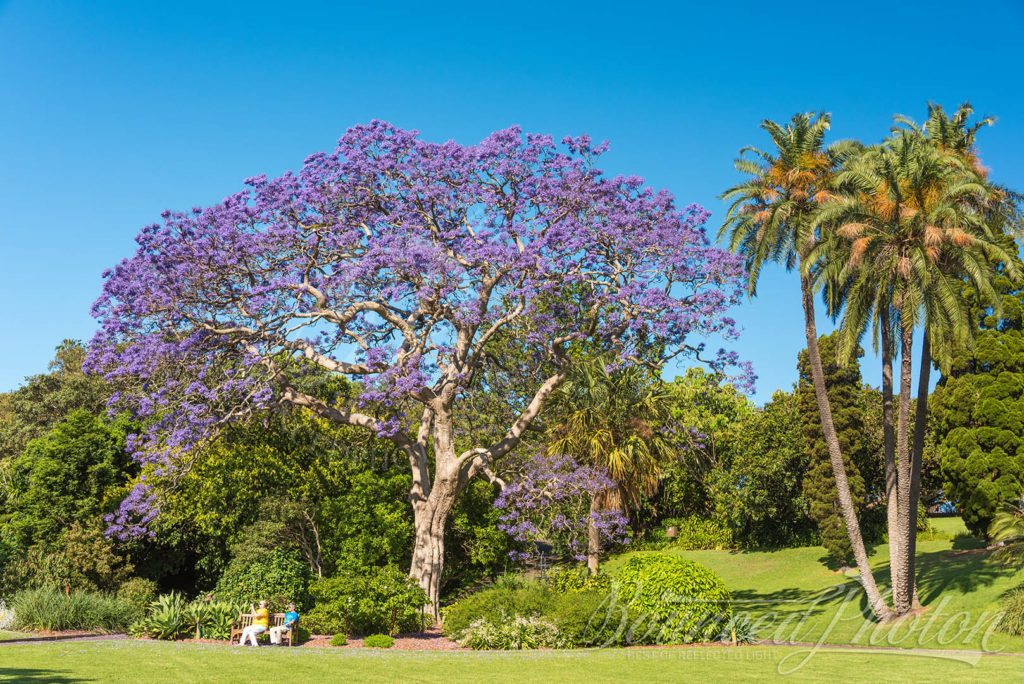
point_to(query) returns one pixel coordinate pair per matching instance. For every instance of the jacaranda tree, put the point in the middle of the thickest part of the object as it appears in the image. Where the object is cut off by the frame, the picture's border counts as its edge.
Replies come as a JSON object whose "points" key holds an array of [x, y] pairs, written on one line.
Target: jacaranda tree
{"points": [[400, 263]]}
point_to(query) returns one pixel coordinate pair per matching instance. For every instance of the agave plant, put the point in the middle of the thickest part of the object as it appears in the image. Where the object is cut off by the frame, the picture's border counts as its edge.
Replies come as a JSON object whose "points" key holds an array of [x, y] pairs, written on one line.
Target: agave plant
{"points": [[221, 615], [167, 618], [197, 616]]}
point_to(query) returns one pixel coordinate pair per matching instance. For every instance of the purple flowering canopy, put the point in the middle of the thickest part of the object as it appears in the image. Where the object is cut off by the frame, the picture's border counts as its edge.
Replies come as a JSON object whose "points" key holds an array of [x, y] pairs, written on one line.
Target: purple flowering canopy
{"points": [[551, 501], [400, 263]]}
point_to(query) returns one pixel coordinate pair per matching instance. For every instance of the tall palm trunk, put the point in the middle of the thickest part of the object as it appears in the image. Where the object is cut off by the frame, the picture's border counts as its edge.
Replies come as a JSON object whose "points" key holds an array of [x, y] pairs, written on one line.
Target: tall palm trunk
{"points": [[920, 426], [875, 600], [902, 593], [889, 448]]}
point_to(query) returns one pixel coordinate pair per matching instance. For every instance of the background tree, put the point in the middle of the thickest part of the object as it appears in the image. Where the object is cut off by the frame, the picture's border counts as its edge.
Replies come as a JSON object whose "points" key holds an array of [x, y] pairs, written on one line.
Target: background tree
{"points": [[757, 484], [411, 257], [978, 413]]}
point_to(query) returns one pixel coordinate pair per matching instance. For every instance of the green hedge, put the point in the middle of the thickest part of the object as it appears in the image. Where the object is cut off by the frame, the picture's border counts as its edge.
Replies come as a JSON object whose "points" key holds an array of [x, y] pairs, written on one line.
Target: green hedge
{"points": [[680, 601]]}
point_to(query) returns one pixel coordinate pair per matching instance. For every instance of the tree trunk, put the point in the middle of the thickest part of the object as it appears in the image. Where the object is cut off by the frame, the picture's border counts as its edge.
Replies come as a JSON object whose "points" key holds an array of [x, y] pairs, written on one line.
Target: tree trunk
{"points": [[878, 606], [901, 586], [889, 446], [430, 513], [431, 519], [920, 426], [593, 534]]}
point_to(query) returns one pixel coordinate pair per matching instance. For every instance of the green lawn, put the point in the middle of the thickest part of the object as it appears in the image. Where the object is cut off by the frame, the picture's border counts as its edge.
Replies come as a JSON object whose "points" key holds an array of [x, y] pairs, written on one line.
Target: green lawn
{"points": [[797, 597], [156, 662], [5, 635]]}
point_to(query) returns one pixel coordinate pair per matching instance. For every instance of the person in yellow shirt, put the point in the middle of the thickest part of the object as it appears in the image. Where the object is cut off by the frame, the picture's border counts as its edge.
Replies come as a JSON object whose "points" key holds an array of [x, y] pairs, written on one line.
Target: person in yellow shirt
{"points": [[260, 622]]}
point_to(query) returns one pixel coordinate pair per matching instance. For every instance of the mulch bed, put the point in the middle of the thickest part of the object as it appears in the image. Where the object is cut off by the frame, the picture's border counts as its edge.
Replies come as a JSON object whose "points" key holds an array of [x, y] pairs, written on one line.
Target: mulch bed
{"points": [[431, 640]]}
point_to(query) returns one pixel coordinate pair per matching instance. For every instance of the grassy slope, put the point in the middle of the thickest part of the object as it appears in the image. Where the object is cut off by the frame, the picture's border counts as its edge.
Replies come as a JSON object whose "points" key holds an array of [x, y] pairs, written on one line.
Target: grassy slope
{"points": [[955, 579], [154, 662]]}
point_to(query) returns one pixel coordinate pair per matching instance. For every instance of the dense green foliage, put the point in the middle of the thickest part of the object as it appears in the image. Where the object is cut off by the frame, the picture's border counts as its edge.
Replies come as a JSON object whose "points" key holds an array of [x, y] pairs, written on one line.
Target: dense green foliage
{"points": [[758, 486], [339, 640], [682, 601], [362, 601], [977, 411]]}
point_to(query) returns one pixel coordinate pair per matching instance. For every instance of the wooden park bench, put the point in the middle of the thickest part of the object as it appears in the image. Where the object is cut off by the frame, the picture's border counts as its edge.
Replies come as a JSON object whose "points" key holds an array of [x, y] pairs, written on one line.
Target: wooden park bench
{"points": [[245, 619]]}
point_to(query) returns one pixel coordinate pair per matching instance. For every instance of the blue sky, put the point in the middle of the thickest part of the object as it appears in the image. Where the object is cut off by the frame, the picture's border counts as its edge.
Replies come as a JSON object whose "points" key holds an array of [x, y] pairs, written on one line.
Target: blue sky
{"points": [[111, 112]]}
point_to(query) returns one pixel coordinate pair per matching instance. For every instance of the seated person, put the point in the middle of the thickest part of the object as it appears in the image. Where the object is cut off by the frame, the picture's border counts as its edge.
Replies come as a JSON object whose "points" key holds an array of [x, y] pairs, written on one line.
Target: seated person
{"points": [[290, 618], [260, 621]]}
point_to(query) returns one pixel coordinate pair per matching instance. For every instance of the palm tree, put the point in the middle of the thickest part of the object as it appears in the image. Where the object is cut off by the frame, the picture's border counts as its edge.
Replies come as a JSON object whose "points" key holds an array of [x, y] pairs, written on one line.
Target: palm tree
{"points": [[614, 419], [771, 218], [910, 228]]}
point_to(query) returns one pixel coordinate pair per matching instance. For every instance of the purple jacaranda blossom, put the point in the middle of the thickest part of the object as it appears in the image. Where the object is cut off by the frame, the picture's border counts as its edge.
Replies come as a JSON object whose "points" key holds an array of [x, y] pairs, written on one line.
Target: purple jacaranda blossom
{"points": [[404, 265], [550, 501]]}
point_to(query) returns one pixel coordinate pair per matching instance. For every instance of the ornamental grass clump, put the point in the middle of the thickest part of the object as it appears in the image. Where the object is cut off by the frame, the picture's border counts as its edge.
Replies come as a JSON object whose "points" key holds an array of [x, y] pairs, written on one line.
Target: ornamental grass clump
{"points": [[51, 609], [680, 601], [1012, 604]]}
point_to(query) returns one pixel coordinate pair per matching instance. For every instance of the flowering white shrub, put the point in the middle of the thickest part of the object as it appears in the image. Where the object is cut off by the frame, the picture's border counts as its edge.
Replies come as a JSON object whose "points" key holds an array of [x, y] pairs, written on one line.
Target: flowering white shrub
{"points": [[512, 633], [7, 616]]}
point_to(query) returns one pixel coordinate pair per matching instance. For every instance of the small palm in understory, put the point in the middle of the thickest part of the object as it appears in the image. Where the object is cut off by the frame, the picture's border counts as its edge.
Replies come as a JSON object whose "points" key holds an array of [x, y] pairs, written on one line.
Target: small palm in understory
{"points": [[616, 420]]}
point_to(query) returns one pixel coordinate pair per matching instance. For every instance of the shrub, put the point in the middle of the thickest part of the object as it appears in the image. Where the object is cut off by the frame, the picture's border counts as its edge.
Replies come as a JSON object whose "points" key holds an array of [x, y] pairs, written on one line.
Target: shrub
{"points": [[493, 605], [569, 580], [7, 616], [53, 610], [699, 532], [276, 576], [339, 640], [1012, 621], [594, 618], [680, 600], [379, 641], [365, 600], [739, 630], [511, 633], [138, 593]]}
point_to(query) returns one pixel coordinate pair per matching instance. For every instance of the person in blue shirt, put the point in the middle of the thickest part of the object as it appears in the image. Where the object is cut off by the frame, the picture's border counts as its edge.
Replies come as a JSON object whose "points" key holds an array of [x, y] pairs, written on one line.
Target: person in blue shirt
{"points": [[291, 618]]}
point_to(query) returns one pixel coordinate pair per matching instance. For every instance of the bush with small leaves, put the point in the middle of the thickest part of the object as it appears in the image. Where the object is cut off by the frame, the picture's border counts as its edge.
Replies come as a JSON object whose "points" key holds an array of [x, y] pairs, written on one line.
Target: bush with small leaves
{"points": [[493, 605], [379, 641], [139, 593], [339, 640], [681, 601], [571, 580]]}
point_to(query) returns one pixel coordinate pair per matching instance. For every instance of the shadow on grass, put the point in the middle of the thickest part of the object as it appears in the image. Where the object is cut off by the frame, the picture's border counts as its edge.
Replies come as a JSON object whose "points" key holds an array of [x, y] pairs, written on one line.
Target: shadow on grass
{"points": [[809, 602], [36, 676], [941, 571]]}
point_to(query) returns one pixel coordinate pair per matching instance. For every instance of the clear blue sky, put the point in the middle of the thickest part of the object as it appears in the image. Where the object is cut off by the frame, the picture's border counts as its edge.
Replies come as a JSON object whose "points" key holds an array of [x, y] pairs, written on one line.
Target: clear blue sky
{"points": [[111, 112]]}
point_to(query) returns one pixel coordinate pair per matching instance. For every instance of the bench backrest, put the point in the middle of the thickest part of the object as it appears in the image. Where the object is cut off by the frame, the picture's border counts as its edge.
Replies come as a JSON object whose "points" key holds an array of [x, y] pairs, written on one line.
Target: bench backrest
{"points": [[245, 619]]}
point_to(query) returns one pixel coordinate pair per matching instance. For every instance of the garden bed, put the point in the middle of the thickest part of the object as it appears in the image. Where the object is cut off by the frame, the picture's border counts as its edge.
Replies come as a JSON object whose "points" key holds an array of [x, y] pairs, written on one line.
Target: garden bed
{"points": [[430, 640]]}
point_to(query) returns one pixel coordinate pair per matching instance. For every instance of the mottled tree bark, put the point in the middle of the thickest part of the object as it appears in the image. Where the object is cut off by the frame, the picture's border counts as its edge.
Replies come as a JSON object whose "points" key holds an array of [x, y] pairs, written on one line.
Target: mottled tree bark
{"points": [[875, 600]]}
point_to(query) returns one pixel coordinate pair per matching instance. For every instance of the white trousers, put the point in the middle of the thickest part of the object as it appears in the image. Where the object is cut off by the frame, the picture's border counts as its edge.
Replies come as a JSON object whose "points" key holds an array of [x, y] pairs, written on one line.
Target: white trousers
{"points": [[250, 633], [275, 634]]}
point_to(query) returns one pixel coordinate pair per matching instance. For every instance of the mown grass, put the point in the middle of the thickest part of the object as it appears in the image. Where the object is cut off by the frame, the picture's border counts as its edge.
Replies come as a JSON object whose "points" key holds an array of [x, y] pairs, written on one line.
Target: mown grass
{"points": [[794, 595], [159, 662]]}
